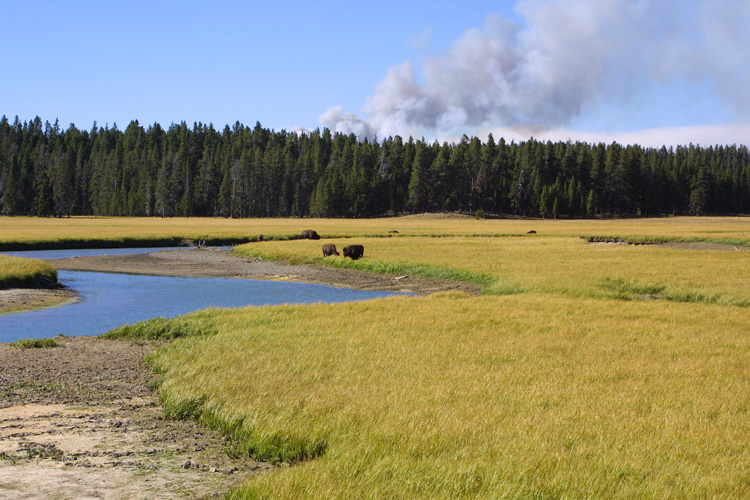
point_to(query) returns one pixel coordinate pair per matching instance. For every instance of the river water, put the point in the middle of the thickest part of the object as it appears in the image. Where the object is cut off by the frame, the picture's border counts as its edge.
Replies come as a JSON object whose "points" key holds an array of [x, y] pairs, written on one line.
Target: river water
{"points": [[109, 300]]}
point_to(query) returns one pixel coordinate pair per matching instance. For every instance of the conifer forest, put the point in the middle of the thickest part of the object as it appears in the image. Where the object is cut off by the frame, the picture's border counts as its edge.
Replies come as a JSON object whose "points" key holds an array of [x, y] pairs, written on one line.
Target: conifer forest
{"points": [[243, 171]]}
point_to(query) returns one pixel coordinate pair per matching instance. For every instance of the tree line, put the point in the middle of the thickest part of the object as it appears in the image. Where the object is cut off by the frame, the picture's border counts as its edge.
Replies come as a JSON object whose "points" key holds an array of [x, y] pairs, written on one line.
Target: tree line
{"points": [[256, 172]]}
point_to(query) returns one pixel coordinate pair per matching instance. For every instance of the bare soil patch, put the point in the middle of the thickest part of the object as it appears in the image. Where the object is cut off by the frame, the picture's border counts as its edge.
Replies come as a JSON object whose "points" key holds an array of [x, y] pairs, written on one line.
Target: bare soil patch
{"points": [[438, 216], [20, 299], [79, 421], [693, 245], [706, 245]]}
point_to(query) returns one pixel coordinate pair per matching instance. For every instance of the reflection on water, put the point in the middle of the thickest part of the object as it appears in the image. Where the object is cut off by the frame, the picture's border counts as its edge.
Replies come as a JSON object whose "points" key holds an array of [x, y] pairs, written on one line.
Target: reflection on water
{"points": [[110, 300]]}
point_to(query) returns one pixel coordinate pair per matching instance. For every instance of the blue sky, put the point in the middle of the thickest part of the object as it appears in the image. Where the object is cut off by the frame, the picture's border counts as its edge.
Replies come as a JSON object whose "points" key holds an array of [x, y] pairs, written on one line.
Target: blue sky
{"points": [[651, 72]]}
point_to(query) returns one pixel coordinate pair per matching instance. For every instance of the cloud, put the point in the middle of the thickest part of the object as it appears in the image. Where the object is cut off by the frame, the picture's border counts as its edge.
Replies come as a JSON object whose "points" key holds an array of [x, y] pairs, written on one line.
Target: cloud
{"points": [[565, 59], [347, 123]]}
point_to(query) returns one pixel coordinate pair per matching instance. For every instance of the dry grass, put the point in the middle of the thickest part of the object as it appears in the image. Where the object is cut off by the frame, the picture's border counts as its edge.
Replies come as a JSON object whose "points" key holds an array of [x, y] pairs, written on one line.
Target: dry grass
{"points": [[560, 390], [77, 231], [523, 396], [548, 264]]}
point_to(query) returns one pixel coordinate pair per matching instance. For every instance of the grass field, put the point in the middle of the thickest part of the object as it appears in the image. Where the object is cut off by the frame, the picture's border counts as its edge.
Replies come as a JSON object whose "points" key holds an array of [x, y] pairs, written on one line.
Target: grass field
{"points": [[545, 264], [17, 272], [584, 371], [22, 232]]}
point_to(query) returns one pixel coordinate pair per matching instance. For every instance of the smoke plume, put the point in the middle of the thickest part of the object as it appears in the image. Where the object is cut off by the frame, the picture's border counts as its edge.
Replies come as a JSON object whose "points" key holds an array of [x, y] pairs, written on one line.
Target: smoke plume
{"points": [[567, 56]]}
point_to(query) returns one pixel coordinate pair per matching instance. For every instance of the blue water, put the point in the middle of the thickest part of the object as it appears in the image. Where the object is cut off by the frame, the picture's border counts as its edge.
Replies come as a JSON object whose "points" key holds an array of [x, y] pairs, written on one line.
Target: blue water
{"points": [[110, 300], [87, 252]]}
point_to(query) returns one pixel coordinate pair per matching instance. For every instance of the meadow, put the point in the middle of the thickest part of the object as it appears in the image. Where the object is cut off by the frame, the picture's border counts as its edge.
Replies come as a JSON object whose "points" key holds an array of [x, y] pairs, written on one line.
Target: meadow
{"points": [[18, 233], [583, 371]]}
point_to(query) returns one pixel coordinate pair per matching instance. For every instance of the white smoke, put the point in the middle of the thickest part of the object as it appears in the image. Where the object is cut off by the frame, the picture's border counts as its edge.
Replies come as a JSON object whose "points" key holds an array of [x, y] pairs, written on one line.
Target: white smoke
{"points": [[568, 55]]}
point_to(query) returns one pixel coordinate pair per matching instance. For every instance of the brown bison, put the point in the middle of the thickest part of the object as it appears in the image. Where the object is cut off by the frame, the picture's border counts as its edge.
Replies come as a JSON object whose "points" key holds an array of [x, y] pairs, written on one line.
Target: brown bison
{"points": [[354, 251], [309, 234], [329, 249]]}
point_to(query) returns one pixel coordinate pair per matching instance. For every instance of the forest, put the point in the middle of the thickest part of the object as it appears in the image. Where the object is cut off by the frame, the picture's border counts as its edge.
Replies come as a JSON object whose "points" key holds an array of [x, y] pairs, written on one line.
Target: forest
{"points": [[256, 172]]}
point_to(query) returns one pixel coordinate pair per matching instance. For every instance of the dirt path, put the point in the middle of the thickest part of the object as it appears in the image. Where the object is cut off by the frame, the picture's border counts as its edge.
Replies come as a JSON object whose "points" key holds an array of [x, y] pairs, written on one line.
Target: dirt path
{"points": [[79, 421]]}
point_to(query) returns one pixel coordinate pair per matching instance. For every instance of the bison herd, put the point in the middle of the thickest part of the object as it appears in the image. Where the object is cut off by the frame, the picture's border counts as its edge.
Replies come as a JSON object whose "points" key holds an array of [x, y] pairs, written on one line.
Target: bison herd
{"points": [[352, 251]]}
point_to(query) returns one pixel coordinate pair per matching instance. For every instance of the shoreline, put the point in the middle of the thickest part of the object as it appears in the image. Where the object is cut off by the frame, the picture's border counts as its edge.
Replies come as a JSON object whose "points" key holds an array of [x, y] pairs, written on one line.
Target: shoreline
{"points": [[83, 417], [215, 263], [13, 300]]}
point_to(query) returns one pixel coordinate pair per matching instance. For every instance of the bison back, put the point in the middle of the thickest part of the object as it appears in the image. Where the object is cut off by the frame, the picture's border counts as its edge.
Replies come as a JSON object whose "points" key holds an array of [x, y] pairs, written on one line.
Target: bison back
{"points": [[354, 251]]}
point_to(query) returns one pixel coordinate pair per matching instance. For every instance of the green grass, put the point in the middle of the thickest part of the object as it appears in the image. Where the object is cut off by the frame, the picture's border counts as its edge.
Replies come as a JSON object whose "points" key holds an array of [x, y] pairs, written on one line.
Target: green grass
{"points": [[629, 289], [35, 343], [158, 329]]}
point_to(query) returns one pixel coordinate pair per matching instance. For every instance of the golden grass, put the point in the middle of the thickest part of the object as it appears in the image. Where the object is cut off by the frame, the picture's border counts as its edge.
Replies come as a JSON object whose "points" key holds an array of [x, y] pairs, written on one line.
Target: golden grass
{"points": [[543, 264], [561, 390], [79, 230], [523, 396], [21, 272]]}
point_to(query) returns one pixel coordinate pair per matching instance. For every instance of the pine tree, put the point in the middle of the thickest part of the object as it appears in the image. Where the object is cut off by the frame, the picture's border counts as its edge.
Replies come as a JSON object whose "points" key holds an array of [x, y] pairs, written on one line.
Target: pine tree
{"points": [[699, 193], [591, 204], [420, 180]]}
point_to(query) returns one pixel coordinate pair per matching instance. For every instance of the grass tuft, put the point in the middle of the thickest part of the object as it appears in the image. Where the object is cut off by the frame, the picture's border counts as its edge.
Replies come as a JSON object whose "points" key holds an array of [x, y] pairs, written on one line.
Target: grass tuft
{"points": [[629, 289], [19, 272], [35, 343], [183, 408], [244, 439], [626, 288], [157, 329]]}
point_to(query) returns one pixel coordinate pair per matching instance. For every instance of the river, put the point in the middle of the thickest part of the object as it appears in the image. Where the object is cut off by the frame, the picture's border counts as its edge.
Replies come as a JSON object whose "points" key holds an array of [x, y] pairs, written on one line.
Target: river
{"points": [[109, 300]]}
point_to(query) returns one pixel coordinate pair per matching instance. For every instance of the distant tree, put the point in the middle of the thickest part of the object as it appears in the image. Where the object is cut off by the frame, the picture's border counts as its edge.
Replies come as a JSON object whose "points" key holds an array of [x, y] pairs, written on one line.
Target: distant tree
{"points": [[419, 183], [699, 193], [591, 204]]}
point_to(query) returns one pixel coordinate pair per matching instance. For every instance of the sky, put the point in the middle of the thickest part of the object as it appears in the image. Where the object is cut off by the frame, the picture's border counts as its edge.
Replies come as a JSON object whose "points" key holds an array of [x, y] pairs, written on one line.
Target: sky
{"points": [[651, 72]]}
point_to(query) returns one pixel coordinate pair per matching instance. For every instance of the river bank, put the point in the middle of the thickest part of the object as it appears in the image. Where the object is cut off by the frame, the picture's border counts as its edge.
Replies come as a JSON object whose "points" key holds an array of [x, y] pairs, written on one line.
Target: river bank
{"points": [[81, 419], [214, 263]]}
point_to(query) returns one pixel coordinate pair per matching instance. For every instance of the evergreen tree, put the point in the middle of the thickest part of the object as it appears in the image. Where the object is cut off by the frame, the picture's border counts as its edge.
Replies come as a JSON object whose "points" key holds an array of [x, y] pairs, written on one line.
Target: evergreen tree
{"points": [[419, 182], [699, 193]]}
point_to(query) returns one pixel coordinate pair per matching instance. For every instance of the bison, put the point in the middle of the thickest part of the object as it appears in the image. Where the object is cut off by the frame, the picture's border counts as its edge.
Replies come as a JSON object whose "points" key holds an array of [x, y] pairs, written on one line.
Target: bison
{"points": [[309, 234], [354, 251], [329, 249]]}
